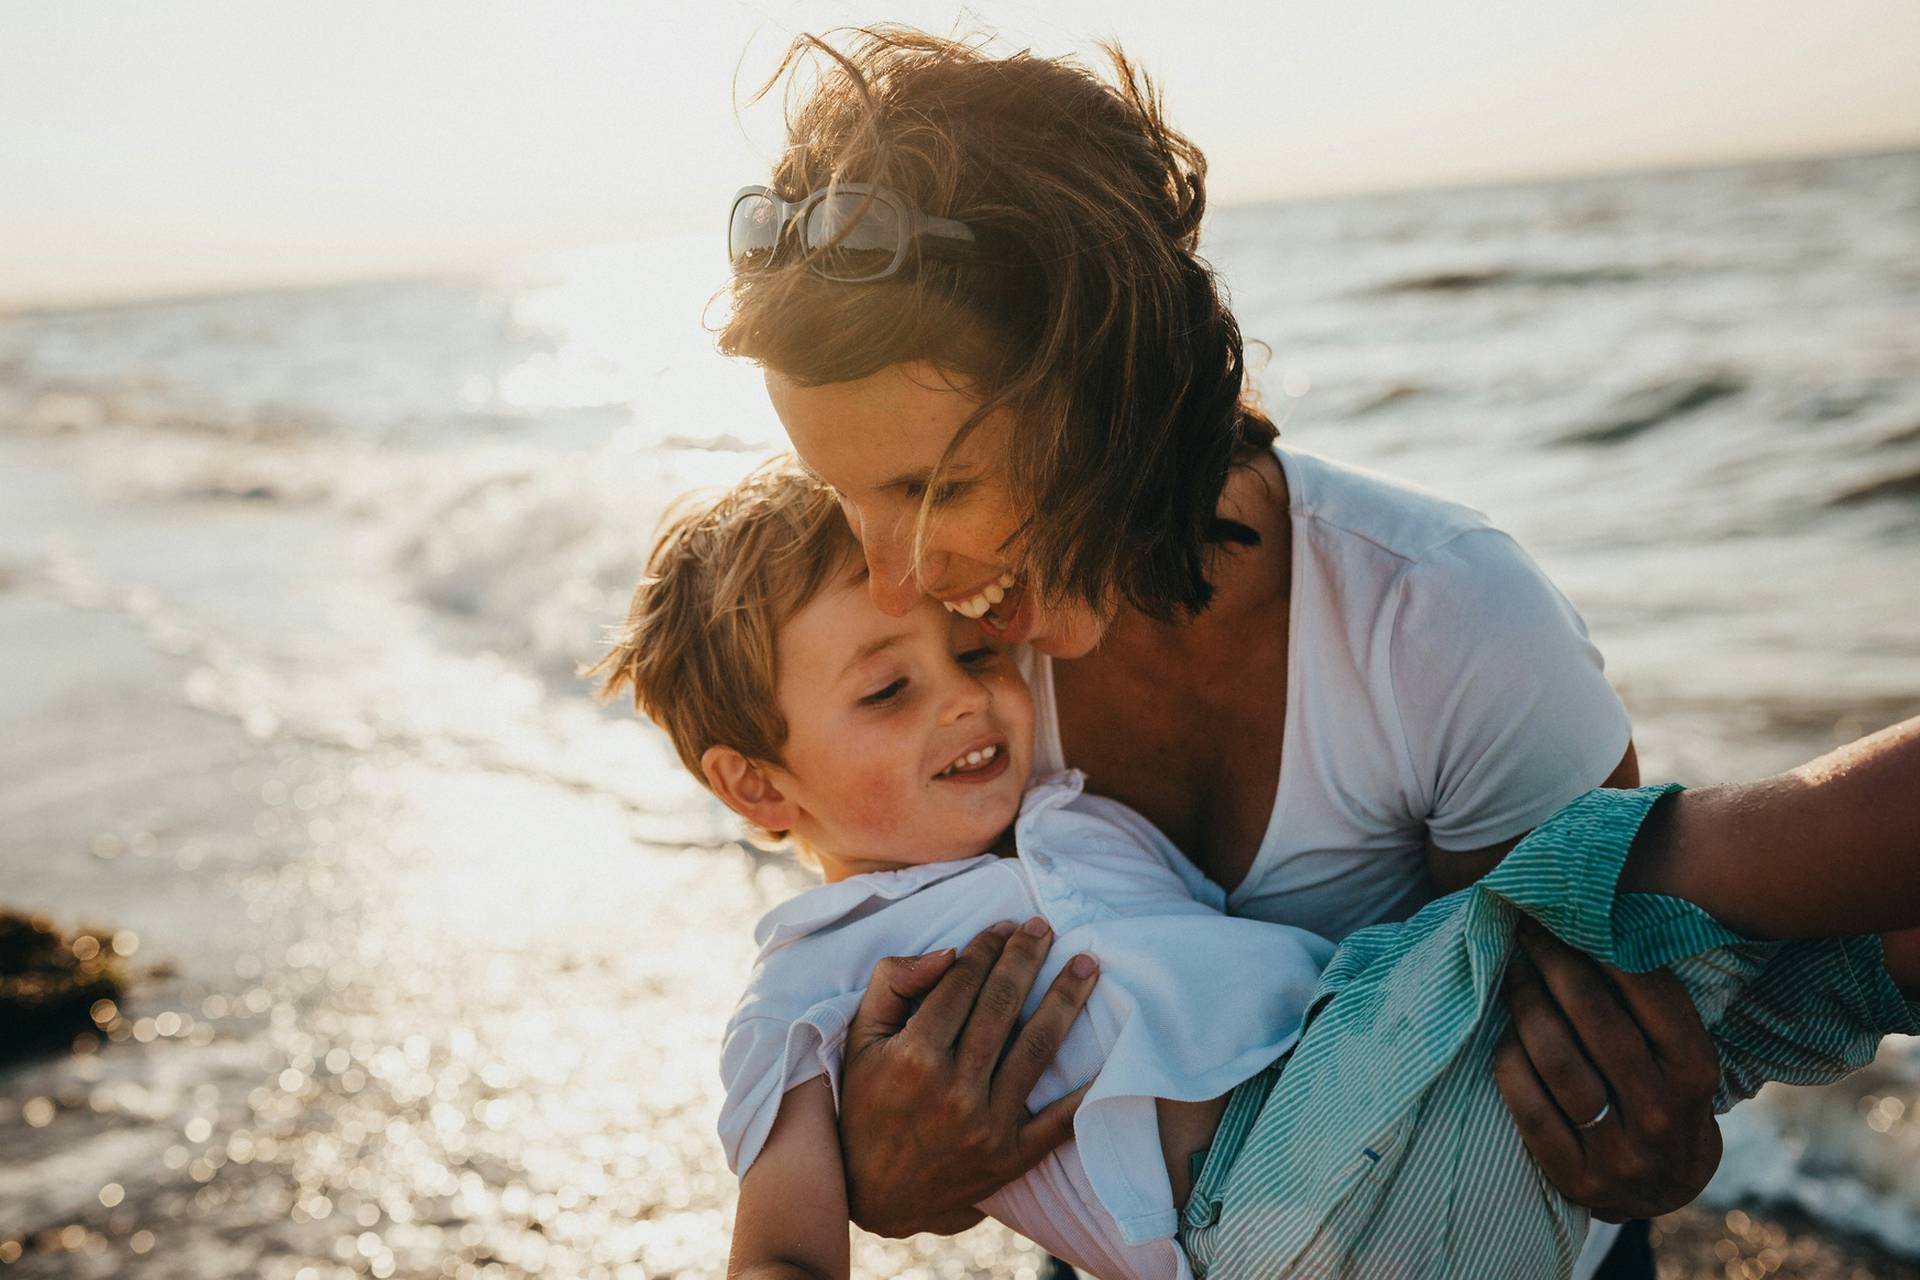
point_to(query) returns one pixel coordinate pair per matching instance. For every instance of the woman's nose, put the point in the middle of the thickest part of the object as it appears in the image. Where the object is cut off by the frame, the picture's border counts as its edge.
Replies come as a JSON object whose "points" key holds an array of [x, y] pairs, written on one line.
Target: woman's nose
{"points": [[891, 582]]}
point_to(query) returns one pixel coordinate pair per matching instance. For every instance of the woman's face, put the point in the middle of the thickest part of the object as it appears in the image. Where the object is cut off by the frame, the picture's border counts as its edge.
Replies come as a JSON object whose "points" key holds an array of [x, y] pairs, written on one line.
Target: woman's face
{"points": [[877, 441]]}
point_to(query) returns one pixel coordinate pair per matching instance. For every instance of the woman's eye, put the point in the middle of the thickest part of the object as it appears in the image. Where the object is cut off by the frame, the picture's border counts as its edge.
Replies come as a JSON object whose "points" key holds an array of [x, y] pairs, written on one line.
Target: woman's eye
{"points": [[942, 495], [888, 694]]}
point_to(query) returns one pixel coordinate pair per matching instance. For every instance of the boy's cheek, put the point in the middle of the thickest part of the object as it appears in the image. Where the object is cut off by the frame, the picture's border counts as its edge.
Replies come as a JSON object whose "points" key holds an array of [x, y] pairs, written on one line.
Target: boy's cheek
{"points": [[877, 798]]}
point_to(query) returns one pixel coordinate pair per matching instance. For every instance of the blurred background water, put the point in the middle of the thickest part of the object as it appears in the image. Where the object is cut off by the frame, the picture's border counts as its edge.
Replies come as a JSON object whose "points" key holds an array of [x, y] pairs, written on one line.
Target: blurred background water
{"points": [[435, 953]]}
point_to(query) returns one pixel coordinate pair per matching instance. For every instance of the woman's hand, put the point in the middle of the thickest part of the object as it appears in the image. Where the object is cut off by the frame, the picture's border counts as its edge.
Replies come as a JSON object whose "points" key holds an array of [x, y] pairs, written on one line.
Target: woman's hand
{"points": [[933, 1112], [1587, 1037]]}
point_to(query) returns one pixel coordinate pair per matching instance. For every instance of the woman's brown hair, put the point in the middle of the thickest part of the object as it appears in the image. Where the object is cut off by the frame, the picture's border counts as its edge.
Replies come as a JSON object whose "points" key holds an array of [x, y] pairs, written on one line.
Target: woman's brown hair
{"points": [[1086, 309]]}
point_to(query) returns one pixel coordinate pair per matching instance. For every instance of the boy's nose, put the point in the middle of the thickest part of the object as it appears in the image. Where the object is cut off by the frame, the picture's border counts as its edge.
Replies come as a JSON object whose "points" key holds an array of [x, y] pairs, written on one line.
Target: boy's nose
{"points": [[967, 697]]}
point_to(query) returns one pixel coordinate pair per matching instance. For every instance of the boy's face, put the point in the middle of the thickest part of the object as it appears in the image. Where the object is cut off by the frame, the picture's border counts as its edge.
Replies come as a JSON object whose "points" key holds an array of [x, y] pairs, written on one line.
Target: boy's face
{"points": [[909, 739]]}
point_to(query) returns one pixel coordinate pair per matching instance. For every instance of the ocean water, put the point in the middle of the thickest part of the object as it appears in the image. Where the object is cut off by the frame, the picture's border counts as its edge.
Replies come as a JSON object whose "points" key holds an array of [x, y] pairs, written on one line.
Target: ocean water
{"points": [[435, 952]]}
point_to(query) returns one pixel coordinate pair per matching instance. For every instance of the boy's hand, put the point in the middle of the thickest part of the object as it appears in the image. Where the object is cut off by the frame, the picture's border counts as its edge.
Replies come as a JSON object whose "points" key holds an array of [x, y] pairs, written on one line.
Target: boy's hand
{"points": [[1586, 1037], [933, 1115]]}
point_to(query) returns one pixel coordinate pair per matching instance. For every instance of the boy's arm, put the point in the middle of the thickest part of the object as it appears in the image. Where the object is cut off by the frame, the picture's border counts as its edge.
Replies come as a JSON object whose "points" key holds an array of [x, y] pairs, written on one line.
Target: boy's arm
{"points": [[1830, 848], [792, 1220]]}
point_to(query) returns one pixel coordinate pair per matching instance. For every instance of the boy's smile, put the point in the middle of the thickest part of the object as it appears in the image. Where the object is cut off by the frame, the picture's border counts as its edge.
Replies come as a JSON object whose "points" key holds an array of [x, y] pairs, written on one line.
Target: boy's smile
{"points": [[977, 764], [909, 739]]}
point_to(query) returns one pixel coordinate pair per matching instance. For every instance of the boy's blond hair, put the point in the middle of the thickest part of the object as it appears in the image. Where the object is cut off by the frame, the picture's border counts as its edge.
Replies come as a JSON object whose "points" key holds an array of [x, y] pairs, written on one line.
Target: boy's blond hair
{"points": [[699, 648]]}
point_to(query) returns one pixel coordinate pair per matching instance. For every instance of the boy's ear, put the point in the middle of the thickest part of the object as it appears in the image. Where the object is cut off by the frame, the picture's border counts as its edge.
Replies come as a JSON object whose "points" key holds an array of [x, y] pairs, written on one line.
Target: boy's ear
{"points": [[747, 787]]}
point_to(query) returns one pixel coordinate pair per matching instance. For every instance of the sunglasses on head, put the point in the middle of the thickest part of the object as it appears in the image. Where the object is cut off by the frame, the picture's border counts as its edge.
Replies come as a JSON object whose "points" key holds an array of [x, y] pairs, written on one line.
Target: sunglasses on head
{"points": [[852, 232]]}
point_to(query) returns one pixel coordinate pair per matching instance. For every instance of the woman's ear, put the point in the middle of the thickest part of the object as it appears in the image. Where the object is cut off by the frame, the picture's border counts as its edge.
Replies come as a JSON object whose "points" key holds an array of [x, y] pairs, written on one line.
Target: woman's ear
{"points": [[747, 787]]}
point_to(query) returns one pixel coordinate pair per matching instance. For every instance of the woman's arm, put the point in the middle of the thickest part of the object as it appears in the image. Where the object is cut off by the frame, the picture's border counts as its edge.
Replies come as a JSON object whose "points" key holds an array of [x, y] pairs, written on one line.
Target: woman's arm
{"points": [[792, 1221], [933, 1115], [1830, 848]]}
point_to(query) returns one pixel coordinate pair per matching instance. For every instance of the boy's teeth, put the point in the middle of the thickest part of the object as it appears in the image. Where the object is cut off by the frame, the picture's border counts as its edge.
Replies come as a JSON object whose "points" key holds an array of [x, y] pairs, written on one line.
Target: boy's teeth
{"points": [[1006, 580], [971, 760]]}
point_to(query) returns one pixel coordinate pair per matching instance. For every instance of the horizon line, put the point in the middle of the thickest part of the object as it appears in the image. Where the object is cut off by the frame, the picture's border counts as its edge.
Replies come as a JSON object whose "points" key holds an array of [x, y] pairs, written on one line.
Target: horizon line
{"points": [[84, 301]]}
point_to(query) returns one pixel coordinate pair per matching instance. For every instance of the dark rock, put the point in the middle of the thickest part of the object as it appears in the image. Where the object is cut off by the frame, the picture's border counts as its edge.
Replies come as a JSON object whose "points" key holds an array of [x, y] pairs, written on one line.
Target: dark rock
{"points": [[50, 982]]}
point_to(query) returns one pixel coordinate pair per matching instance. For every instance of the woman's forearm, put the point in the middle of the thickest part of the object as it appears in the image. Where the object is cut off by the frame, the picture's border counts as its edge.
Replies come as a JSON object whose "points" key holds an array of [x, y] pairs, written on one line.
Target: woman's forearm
{"points": [[1832, 847]]}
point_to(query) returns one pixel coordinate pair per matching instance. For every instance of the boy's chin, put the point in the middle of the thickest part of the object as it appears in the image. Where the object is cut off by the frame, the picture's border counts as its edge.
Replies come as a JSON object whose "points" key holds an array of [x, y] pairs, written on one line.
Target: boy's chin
{"points": [[986, 838]]}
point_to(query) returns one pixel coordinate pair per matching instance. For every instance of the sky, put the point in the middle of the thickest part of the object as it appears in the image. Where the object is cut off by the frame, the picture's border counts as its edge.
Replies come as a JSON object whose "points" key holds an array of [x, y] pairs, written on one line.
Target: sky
{"points": [[210, 144]]}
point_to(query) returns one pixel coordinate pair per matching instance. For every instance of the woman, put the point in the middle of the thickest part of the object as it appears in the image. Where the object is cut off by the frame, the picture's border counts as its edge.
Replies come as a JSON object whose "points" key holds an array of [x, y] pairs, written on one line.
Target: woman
{"points": [[974, 288]]}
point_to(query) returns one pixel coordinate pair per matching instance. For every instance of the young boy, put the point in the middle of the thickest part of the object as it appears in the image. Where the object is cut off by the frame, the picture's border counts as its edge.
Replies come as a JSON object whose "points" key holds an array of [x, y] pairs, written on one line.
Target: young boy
{"points": [[894, 752]]}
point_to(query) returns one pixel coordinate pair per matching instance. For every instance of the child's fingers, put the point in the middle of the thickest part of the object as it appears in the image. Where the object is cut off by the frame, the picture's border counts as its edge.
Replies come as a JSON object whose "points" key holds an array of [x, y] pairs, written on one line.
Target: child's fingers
{"points": [[1040, 1039], [1053, 1126]]}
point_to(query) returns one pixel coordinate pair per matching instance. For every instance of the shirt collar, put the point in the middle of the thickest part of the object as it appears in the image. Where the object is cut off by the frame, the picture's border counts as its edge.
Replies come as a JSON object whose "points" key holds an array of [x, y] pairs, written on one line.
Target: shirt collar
{"points": [[828, 904], [1050, 792]]}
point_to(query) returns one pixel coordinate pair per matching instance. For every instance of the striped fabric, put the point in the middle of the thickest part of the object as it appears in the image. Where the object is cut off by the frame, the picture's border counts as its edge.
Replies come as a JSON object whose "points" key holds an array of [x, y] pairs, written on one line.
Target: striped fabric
{"points": [[1383, 1149]]}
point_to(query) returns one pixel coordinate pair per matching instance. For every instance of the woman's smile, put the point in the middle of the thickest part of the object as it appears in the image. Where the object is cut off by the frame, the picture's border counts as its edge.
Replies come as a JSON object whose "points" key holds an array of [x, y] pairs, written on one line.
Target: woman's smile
{"points": [[976, 604]]}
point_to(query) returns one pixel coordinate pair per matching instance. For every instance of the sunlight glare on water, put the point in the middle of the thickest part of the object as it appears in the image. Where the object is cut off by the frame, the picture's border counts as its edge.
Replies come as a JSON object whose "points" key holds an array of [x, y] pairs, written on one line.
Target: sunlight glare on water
{"points": [[626, 326]]}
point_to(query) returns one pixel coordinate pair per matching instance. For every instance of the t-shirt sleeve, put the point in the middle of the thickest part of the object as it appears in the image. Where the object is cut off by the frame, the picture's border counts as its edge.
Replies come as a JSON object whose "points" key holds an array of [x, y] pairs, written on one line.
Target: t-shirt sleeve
{"points": [[763, 1057], [1504, 704]]}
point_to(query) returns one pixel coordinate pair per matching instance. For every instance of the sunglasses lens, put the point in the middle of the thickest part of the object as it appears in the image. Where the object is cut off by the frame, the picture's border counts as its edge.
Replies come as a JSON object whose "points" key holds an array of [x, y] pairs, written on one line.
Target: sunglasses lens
{"points": [[753, 231], [857, 236]]}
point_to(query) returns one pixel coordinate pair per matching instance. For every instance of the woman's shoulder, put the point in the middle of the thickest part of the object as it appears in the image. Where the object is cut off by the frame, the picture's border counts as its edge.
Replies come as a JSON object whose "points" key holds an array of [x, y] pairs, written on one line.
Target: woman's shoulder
{"points": [[1379, 559], [1338, 508]]}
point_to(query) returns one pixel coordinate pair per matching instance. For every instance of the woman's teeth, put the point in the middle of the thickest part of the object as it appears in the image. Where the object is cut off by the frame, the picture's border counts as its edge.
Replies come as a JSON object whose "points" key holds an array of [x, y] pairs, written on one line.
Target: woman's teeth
{"points": [[975, 606], [970, 761]]}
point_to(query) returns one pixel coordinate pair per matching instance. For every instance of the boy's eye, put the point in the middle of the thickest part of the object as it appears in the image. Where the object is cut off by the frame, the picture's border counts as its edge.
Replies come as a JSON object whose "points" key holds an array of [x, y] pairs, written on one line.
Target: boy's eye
{"points": [[977, 657], [887, 694]]}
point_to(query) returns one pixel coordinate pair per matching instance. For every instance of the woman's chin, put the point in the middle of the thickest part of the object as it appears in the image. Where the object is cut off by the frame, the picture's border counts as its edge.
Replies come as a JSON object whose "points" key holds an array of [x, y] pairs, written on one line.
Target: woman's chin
{"points": [[1058, 633], [1067, 635]]}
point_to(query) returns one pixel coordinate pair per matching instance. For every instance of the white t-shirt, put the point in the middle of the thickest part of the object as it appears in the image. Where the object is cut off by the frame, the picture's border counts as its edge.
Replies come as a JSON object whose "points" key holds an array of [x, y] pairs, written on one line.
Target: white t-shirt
{"points": [[1436, 681], [1190, 1003]]}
